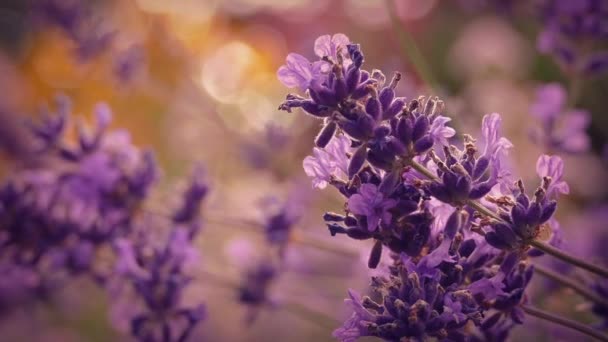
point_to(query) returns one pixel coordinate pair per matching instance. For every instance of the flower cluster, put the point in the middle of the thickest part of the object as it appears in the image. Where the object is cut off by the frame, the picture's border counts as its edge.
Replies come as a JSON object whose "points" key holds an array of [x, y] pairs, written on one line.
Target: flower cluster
{"points": [[392, 161], [157, 271], [78, 197], [76, 201], [573, 32]]}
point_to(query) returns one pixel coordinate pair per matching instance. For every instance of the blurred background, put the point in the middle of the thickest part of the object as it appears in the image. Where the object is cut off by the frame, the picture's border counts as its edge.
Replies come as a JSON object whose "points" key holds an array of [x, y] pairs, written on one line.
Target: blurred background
{"points": [[195, 80]]}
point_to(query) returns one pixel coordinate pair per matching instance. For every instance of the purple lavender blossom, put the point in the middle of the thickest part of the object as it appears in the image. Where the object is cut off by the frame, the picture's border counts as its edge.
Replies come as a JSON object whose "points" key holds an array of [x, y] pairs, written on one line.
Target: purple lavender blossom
{"points": [[463, 175], [298, 72], [561, 129], [88, 191], [370, 203], [329, 163], [76, 20], [570, 29], [461, 271], [418, 300], [552, 168], [522, 217]]}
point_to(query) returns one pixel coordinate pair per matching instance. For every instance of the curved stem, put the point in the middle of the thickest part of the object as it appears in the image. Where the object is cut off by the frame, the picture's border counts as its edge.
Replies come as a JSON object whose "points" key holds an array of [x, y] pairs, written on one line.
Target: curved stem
{"points": [[571, 283], [558, 253], [537, 244], [585, 329]]}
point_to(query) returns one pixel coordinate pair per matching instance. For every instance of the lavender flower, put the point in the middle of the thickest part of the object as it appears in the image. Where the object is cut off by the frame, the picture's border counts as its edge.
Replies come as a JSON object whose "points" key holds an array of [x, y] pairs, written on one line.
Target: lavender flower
{"points": [[561, 130], [439, 295], [328, 164], [463, 175], [370, 203], [85, 193], [458, 232], [522, 222], [566, 25], [158, 272], [76, 20]]}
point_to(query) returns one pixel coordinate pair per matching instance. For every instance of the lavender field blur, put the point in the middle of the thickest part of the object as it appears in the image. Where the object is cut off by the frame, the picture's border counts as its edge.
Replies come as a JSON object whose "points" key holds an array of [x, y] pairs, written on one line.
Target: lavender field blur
{"points": [[303, 170]]}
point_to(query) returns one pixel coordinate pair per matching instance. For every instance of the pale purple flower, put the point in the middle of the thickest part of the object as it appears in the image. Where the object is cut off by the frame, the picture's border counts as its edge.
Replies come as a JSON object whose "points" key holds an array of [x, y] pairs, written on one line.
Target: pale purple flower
{"points": [[490, 288], [496, 146], [560, 128], [552, 166], [370, 202], [439, 132], [351, 330], [572, 135], [298, 72], [328, 163], [332, 46], [441, 211], [550, 100], [329, 46]]}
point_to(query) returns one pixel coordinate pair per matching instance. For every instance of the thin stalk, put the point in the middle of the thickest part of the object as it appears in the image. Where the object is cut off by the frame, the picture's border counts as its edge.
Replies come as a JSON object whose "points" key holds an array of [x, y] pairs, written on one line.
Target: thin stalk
{"points": [[311, 315], [574, 91], [296, 238], [298, 309], [565, 322], [409, 47], [571, 283], [557, 253], [324, 246]]}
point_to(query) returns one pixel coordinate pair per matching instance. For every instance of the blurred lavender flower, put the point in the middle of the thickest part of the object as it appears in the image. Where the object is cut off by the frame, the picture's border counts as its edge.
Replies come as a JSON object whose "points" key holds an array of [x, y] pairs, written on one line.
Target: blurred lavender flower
{"points": [[77, 21], [573, 33], [83, 197], [158, 271], [78, 198], [261, 151], [561, 129], [280, 218]]}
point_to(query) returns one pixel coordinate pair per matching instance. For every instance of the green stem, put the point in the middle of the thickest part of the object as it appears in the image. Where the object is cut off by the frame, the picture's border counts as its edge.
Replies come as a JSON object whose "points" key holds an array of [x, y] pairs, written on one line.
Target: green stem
{"points": [[409, 47], [565, 322], [571, 283], [537, 244]]}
